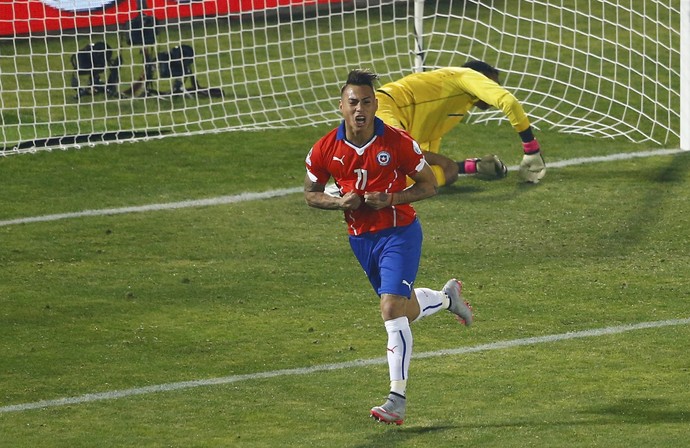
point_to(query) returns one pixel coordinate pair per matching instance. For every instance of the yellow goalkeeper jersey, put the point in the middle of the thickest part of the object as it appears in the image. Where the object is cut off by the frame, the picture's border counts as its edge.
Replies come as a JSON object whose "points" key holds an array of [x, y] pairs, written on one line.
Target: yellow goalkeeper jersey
{"points": [[429, 104]]}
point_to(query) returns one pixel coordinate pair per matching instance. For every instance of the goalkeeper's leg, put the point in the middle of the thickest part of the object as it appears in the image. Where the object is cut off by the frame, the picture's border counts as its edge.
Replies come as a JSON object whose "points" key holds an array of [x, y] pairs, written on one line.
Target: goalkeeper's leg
{"points": [[444, 168]]}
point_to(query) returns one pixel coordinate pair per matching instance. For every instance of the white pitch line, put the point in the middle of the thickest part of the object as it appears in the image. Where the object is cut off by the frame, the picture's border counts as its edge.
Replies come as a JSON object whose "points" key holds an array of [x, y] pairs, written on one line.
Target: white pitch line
{"points": [[243, 197], [115, 394], [609, 158]]}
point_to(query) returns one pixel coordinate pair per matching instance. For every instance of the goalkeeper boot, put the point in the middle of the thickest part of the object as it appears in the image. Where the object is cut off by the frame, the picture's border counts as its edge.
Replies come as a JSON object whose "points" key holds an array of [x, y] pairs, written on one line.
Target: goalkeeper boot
{"points": [[458, 305], [392, 411]]}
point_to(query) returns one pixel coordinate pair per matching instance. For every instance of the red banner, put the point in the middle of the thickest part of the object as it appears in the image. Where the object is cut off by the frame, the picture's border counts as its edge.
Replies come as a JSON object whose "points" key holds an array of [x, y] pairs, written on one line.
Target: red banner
{"points": [[172, 9], [20, 17]]}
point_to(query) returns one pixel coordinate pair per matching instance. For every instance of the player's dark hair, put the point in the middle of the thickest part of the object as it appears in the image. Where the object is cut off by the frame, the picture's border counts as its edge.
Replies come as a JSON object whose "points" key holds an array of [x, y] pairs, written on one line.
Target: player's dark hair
{"points": [[482, 67], [360, 77]]}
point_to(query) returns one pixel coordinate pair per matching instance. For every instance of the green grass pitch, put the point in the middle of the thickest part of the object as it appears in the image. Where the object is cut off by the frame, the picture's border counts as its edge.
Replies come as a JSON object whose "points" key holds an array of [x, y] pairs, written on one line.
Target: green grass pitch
{"points": [[238, 292]]}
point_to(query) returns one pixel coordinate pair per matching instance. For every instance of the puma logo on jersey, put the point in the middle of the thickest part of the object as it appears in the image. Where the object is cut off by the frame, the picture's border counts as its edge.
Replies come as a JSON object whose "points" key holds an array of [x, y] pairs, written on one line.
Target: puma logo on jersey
{"points": [[408, 284], [341, 160]]}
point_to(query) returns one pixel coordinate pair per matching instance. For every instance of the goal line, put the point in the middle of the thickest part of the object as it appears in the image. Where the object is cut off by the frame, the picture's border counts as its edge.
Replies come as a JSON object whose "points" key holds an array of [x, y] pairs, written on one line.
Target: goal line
{"points": [[253, 196]]}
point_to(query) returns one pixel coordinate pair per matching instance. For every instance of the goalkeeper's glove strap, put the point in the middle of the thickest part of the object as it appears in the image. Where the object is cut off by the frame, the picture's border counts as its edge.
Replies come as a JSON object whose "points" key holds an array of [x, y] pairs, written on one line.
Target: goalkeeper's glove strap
{"points": [[531, 147], [468, 166]]}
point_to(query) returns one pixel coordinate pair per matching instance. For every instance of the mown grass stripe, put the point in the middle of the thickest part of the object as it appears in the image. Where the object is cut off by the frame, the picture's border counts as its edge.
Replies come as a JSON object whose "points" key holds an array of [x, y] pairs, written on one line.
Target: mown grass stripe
{"points": [[124, 393], [253, 196]]}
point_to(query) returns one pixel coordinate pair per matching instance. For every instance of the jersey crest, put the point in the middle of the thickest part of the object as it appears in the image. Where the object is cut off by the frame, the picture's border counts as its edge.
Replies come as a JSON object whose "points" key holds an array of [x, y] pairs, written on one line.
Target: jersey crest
{"points": [[383, 158]]}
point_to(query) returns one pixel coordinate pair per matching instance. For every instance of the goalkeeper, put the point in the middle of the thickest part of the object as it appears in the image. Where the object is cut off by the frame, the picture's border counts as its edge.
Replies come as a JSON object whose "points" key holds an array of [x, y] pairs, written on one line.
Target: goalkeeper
{"points": [[429, 104]]}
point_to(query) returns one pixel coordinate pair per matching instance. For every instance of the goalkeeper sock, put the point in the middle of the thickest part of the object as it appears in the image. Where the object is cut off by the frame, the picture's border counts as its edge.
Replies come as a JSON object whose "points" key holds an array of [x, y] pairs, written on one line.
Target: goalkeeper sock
{"points": [[399, 387], [439, 175], [430, 302]]}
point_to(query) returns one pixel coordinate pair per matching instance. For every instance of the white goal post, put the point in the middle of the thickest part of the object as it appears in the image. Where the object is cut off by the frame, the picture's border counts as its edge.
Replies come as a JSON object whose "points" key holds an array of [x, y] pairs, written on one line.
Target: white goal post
{"points": [[685, 75], [85, 72]]}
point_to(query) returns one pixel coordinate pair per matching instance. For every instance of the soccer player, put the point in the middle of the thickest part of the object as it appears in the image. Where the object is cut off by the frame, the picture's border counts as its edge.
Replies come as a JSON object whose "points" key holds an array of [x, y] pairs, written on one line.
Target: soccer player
{"points": [[429, 104], [369, 161]]}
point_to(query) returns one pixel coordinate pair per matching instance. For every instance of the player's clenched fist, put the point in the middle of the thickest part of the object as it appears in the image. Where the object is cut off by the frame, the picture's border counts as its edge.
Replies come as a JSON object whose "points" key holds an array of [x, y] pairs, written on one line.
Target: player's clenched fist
{"points": [[378, 200], [350, 201]]}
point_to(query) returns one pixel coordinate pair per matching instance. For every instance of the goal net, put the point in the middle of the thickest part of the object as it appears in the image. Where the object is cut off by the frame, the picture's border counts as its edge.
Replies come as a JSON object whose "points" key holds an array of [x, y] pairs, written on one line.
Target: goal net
{"points": [[604, 68], [85, 72]]}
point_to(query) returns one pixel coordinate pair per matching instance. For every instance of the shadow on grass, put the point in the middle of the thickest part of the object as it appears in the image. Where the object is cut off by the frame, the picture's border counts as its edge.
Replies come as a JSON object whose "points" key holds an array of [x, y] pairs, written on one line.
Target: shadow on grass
{"points": [[658, 185], [474, 189], [402, 434], [627, 411], [460, 188], [641, 411]]}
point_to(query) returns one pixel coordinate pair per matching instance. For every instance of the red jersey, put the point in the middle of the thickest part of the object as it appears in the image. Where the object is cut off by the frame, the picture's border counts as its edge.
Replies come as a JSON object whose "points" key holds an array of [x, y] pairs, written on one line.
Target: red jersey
{"points": [[380, 165]]}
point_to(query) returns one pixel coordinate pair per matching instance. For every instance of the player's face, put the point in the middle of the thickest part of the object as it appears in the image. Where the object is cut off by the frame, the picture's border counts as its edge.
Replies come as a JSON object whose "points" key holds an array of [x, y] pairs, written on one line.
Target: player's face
{"points": [[358, 106]]}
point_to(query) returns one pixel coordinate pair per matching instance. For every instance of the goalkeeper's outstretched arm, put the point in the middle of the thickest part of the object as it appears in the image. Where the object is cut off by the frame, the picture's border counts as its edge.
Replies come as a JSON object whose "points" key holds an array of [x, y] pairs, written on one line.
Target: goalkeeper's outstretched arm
{"points": [[490, 93], [532, 167]]}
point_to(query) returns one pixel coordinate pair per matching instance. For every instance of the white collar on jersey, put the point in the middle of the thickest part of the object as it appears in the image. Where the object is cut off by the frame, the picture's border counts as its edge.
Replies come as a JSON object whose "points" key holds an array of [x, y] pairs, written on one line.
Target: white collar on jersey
{"points": [[379, 127]]}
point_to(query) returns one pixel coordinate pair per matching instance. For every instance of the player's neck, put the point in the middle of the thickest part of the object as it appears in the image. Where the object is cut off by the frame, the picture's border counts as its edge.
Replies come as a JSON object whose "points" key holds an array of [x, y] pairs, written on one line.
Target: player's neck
{"points": [[359, 137]]}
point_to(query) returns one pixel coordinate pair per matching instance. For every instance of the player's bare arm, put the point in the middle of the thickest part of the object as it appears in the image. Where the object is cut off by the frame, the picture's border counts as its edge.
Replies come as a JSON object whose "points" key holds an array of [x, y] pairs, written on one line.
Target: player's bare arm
{"points": [[315, 197], [425, 186]]}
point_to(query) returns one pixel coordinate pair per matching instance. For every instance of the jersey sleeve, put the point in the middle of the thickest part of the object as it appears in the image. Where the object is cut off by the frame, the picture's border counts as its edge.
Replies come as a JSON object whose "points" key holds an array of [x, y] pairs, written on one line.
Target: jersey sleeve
{"points": [[412, 157], [316, 169], [495, 95]]}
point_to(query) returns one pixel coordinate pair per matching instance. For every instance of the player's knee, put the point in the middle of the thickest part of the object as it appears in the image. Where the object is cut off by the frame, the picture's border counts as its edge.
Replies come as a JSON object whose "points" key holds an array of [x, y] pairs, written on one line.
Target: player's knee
{"points": [[392, 306]]}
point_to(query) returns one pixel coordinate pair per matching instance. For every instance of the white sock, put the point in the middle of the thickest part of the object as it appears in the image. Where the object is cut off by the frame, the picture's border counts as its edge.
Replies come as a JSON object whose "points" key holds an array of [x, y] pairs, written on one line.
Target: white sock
{"points": [[430, 302], [399, 387], [399, 351]]}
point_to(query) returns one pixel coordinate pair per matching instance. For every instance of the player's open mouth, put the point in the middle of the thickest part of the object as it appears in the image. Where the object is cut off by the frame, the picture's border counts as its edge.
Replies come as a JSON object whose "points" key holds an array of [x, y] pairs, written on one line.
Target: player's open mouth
{"points": [[359, 119]]}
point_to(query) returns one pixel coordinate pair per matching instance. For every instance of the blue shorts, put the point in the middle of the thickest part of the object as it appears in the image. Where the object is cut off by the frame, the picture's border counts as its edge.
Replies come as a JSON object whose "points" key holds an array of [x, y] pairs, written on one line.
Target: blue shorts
{"points": [[390, 258]]}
